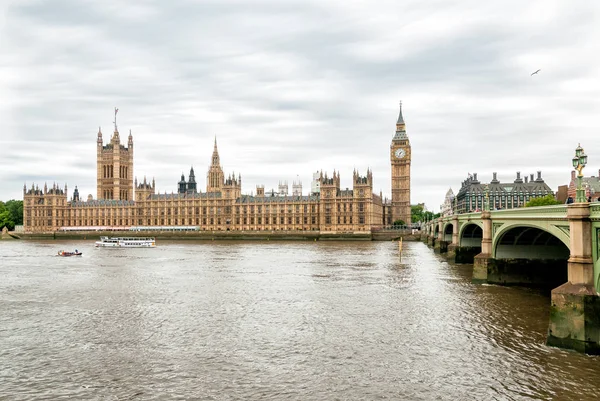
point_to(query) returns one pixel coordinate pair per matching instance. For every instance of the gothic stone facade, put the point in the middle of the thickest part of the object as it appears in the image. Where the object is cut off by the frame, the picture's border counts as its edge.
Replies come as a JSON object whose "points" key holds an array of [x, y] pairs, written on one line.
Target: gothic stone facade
{"points": [[221, 207], [114, 168]]}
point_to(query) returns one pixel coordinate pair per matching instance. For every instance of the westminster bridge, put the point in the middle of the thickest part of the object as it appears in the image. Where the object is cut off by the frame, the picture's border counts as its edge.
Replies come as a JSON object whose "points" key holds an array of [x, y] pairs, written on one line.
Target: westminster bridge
{"points": [[555, 246]]}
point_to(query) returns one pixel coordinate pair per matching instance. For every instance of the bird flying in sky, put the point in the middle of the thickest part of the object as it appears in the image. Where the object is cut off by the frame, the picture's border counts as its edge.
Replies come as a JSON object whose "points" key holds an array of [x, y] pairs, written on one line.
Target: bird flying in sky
{"points": [[533, 73]]}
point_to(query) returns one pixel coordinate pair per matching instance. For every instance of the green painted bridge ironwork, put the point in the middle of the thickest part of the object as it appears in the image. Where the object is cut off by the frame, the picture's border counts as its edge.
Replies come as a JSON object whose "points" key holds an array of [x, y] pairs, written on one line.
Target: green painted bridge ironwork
{"points": [[548, 245]]}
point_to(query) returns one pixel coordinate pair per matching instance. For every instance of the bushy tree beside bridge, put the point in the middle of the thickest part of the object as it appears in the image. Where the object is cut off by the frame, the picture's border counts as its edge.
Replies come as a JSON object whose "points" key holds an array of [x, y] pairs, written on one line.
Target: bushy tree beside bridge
{"points": [[11, 214], [543, 201]]}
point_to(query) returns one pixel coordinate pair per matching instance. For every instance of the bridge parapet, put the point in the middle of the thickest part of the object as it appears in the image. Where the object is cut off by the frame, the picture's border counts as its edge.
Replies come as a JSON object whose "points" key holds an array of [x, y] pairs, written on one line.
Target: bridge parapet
{"points": [[554, 212], [470, 216], [595, 211]]}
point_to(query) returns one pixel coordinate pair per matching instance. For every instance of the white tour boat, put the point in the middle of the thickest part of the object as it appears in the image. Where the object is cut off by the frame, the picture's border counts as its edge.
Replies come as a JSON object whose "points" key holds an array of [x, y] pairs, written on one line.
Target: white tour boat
{"points": [[126, 242]]}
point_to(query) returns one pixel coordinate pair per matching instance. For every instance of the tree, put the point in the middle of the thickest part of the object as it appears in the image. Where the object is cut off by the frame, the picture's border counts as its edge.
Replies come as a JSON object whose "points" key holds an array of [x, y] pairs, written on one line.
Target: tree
{"points": [[399, 223], [11, 214], [418, 213], [544, 201]]}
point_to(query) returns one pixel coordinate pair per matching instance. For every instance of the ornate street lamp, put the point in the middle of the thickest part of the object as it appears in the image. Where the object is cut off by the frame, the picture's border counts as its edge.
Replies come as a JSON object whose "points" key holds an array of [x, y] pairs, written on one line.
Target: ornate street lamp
{"points": [[579, 162]]}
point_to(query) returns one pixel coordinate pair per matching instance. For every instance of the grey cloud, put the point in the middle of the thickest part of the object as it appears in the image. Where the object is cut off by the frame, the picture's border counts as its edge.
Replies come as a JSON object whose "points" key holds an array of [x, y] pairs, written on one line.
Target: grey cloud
{"points": [[292, 87]]}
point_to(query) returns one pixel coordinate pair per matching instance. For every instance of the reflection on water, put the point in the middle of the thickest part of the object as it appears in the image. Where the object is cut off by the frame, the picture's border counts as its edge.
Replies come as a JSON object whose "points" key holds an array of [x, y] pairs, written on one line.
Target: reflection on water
{"points": [[271, 321]]}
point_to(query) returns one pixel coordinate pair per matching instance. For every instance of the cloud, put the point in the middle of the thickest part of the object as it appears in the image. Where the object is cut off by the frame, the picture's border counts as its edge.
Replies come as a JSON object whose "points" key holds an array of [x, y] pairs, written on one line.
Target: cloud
{"points": [[292, 87]]}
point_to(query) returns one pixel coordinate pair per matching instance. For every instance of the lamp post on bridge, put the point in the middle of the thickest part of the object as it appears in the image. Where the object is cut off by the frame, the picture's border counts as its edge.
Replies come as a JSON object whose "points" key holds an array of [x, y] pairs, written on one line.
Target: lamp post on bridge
{"points": [[486, 198], [579, 162]]}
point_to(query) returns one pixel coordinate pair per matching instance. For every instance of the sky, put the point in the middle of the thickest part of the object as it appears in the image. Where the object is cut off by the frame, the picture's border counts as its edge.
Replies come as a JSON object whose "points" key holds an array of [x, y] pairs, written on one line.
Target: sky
{"points": [[292, 87]]}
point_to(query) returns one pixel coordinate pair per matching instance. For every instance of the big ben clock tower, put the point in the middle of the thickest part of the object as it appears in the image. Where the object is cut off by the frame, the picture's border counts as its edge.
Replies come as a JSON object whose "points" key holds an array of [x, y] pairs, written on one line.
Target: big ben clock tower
{"points": [[400, 157]]}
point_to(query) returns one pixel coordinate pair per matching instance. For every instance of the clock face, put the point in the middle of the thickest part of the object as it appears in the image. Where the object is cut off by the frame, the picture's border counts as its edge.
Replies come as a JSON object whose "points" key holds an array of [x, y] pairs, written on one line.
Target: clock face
{"points": [[400, 153]]}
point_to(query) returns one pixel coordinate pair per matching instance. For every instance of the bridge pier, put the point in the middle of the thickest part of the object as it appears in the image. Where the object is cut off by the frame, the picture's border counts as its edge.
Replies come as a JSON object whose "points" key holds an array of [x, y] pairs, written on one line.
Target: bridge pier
{"points": [[466, 254], [452, 246], [481, 262], [441, 246], [451, 252], [575, 305]]}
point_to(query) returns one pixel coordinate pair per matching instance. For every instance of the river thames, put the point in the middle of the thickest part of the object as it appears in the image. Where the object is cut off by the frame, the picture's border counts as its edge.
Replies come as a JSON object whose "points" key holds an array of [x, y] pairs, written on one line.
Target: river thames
{"points": [[272, 321]]}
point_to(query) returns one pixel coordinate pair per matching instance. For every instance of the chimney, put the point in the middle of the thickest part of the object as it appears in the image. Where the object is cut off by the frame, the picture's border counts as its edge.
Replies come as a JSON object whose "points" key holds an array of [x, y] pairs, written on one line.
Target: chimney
{"points": [[573, 176], [518, 180], [474, 176], [539, 177], [495, 179], [526, 179], [531, 177]]}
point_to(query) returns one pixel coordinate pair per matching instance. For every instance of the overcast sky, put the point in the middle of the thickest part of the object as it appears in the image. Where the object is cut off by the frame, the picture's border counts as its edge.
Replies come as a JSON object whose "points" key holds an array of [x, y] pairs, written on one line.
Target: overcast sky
{"points": [[292, 87]]}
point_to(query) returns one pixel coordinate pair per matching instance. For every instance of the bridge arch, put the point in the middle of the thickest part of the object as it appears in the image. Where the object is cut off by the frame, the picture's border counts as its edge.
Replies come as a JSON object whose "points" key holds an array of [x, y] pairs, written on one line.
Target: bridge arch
{"points": [[448, 230], [470, 234], [529, 241]]}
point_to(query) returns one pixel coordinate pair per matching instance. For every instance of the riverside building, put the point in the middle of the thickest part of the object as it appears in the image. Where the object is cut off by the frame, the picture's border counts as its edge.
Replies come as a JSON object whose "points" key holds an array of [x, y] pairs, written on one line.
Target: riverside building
{"points": [[508, 195], [124, 203]]}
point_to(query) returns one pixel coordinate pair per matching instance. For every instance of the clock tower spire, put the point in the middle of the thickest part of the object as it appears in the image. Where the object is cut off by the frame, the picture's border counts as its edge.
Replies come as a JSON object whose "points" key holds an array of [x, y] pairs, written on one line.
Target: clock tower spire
{"points": [[400, 158]]}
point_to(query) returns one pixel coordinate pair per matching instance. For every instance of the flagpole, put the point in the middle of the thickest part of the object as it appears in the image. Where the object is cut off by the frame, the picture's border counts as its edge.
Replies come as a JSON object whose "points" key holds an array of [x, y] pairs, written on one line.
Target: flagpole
{"points": [[116, 111]]}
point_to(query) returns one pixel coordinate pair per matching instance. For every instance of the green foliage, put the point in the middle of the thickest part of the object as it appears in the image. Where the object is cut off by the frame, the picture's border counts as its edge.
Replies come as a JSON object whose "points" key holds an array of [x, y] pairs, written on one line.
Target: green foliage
{"points": [[11, 214], [544, 201], [399, 223], [419, 214]]}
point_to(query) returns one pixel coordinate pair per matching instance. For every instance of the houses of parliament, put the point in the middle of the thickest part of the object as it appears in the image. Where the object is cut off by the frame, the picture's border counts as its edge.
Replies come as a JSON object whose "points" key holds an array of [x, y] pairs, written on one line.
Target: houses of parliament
{"points": [[124, 203]]}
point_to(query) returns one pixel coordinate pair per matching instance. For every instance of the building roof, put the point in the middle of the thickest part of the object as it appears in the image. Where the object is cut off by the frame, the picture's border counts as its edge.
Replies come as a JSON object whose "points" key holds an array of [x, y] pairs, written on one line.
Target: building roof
{"points": [[472, 186], [102, 202], [400, 118], [275, 199]]}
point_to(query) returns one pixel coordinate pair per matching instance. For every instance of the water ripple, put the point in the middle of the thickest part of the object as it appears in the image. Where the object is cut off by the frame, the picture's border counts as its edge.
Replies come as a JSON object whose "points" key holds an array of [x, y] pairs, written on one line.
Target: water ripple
{"points": [[272, 321]]}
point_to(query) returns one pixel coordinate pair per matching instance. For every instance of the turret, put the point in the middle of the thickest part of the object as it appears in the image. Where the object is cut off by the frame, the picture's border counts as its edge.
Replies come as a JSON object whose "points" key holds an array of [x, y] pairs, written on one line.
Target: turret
{"points": [[191, 185], [99, 139], [182, 185]]}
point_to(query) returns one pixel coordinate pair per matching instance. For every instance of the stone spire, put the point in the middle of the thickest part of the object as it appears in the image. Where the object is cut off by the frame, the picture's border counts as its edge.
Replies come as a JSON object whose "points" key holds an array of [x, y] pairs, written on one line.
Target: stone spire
{"points": [[215, 155], [400, 127], [400, 118]]}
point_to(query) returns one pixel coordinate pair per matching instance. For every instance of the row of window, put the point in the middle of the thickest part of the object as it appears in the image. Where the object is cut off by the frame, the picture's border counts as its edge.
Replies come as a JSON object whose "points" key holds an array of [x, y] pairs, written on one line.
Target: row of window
{"points": [[108, 171], [190, 210]]}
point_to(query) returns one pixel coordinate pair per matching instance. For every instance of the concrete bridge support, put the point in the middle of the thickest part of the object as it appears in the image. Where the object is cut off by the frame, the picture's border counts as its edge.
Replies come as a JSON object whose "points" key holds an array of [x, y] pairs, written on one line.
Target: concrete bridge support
{"points": [[575, 307], [482, 261], [439, 240], [431, 240], [454, 244]]}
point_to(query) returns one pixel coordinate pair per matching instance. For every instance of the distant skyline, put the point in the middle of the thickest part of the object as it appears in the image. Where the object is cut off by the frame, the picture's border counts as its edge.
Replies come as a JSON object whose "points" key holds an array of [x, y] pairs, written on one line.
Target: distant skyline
{"points": [[289, 88]]}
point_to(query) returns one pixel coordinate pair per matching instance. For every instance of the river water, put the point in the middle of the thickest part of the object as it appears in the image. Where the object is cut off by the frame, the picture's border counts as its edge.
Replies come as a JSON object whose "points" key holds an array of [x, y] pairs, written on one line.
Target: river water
{"points": [[272, 321]]}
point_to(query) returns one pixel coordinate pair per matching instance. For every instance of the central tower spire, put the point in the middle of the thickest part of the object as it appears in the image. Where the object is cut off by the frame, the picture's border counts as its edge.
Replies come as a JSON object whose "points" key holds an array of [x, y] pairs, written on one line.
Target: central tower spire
{"points": [[215, 177], [215, 156]]}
